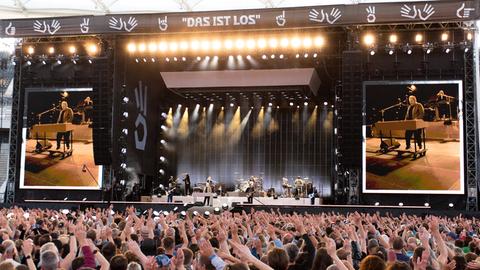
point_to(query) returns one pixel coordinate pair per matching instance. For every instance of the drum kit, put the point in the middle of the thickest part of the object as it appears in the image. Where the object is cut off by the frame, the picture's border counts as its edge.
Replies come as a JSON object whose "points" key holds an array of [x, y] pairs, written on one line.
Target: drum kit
{"points": [[253, 184], [299, 187]]}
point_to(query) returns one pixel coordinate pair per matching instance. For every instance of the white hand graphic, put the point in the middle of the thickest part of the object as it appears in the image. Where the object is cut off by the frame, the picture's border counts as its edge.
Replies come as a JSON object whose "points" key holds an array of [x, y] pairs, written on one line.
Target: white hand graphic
{"points": [[39, 26], [335, 13], [281, 20], [84, 26], [371, 17], [406, 10], [313, 15], [428, 10], [163, 24], [131, 24], [10, 30], [466, 12], [115, 24], [54, 27]]}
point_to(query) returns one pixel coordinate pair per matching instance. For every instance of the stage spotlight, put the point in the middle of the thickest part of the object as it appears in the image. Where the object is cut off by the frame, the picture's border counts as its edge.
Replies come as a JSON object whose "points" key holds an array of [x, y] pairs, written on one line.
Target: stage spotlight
{"points": [[59, 62], [377, 203], [444, 36], [144, 60], [167, 59], [66, 198], [297, 55], [319, 41], [194, 45], [239, 44], [251, 44], [249, 57], [205, 45], [125, 131], [90, 61], [305, 55], [92, 49], [123, 150], [239, 57], [199, 58], [448, 48], [152, 59], [183, 45], [136, 60], [161, 171], [184, 59], [450, 205], [368, 39], [123, 165], [215, 58], [264, 57], [216, 45], [142, 47], [305, 103], [270, 104], [29, 63], [407, 49], [228, 44], [207, 58], [173, 46], [261, 43], [325, 103], [296, 42], [284, 42], [400, 204], [273, 43], [469, 36], [272, 56], [418, 38], [426, 204], [393, 38], [43, 62], [125, 115], [280, 56], [131, 48], [51, 50], [291, 104], [231, 105], [175, 59], [372, 51], [162, 46], [315, 55], [74, 61], [162, 141], [427, 48], [465, 46], [125, 99], [30, 50], [152, 47], [307, 42], [163, 127]]}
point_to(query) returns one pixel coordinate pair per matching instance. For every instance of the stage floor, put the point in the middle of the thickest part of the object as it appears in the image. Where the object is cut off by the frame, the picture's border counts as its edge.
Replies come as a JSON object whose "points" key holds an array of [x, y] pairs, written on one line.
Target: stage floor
{"points": [[230, 200], [439, 169], [41, 169]]}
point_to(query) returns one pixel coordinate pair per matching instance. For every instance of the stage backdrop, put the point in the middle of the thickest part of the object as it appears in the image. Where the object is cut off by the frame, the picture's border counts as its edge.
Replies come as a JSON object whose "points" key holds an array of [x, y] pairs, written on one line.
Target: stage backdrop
{"points": [[388, 167], [46, 165]]}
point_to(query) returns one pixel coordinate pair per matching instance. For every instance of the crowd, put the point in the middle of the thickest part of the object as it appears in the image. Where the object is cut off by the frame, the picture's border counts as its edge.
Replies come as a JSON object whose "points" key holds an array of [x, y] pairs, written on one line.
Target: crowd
{"points": [[104, 239]]}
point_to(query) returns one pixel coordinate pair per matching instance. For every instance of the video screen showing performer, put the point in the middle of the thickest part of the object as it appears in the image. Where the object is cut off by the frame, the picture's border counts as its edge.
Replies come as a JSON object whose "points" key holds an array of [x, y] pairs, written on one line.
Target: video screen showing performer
{"points": [[57, 148], [413, 137]]}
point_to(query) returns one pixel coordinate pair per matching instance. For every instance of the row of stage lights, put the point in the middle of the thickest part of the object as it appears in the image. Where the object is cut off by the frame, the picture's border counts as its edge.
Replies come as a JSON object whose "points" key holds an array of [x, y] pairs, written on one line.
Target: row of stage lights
{"points": [[369, 40], [217, 45], [230, 57], [401, 204], [50, 54]]}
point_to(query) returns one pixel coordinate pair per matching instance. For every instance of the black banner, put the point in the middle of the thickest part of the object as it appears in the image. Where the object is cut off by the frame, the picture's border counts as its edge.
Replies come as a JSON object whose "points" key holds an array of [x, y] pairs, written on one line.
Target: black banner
{"points": [[332, 15]]}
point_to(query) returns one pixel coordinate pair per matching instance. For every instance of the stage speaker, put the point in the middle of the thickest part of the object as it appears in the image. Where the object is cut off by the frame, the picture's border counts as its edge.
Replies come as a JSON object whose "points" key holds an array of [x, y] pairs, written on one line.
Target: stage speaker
{"points": [[387, 145]]}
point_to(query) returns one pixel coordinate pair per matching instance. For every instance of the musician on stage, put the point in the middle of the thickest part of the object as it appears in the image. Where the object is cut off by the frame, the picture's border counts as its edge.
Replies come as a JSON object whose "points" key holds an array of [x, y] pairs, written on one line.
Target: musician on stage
{"points": [[85, 108], [186, 180], [299, 185], [209, 190], [65, 116], [414, 111]]}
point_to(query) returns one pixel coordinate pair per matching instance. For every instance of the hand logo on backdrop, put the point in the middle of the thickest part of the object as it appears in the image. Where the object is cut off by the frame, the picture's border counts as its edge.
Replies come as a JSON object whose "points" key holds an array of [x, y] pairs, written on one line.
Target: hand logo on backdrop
{"points": [[331, 18], [163, 24], [411, 12], [371, 17], [10, 29], [84, 26], [464, 13], [141, 121], [119, 24], [281, 19], [43, 27]]}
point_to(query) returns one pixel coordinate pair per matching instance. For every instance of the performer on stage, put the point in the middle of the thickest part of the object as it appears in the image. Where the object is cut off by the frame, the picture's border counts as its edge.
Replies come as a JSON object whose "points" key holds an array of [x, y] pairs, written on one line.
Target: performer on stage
{"points": [[186, 180], [299, 186], [172, 184], [65, 116], [208, 190], [85, 108], [414, 111]]}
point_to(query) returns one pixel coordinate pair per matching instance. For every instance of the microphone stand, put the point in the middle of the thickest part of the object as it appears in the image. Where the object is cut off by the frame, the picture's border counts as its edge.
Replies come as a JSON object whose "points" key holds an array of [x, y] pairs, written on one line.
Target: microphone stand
{"points": [[86, 169], [382, 111], [39, 116]]}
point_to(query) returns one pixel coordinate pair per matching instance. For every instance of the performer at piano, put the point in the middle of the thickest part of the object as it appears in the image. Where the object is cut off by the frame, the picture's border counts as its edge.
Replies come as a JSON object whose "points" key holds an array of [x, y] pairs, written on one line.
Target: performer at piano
{"points": [[186, 180], [65, 116], [414, 111]]}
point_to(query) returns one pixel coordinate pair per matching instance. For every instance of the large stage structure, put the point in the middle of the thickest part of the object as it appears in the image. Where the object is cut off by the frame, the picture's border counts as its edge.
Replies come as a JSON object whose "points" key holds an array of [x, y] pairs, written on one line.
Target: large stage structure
{"points": [[248, 78]]}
